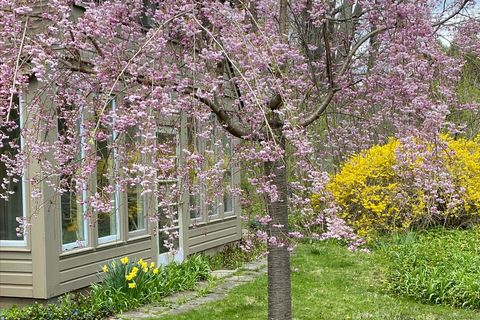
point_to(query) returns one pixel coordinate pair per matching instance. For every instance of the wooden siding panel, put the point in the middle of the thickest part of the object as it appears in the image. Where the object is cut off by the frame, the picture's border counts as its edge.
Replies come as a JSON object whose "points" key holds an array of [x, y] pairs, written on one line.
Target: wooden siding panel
{"points": [[212, 244], [212, 227], [16, 266], [16, 274], [15, 278], [212, 235], [95, 267], [16, 291], [88, 257]]}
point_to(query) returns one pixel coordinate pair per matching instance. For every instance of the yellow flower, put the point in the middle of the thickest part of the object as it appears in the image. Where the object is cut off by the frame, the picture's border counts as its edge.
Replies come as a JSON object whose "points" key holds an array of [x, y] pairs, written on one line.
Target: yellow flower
{"points": [[155, 271], [132, 285], [135, 270], [105, 268], [145, 270], [140, 262], [124, 260], [130, 276], [152, 265]]}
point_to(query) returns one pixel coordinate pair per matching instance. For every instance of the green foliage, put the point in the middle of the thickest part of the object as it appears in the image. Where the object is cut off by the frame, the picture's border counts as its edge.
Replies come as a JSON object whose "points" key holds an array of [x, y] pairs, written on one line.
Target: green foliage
{"points": [[440, 266], [127, 285], [468, 91], [233, 256]]}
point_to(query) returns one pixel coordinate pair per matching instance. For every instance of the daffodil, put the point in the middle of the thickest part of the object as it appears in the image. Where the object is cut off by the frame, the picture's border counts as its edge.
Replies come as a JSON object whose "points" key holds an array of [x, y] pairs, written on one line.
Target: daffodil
{"points": [[105, 268], [152, 265], [124, 260], [134, 270], [132, 285], [140, 262], [143, 264], [155, 271]]}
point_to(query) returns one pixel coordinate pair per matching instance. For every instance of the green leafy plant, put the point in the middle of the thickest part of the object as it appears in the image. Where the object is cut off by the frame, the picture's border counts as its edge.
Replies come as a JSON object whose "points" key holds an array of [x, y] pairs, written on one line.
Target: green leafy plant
{"points": [[439, 266], [234, 255]]}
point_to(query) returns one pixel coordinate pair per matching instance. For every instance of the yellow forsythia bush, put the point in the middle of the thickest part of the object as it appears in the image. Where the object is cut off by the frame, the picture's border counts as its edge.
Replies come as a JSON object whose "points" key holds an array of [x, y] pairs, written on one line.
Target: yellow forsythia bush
{"points": [[374, 196]]}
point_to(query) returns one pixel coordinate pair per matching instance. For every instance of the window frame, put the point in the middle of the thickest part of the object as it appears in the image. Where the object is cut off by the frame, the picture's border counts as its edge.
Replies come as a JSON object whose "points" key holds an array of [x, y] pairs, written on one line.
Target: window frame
{"points": [[67, 247], [116, 208], [24, 181]]}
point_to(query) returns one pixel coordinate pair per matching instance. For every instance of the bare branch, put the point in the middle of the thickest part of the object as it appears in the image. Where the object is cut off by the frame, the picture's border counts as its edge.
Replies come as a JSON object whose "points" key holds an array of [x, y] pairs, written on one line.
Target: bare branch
{"points": [[357, 46], [321, 108], [328, 98], [439, 23], [328, 57]]}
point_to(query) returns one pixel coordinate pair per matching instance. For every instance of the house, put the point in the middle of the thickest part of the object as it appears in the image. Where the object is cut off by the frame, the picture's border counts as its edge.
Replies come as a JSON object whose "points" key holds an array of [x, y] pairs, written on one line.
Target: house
{"points": [[66, 245]]}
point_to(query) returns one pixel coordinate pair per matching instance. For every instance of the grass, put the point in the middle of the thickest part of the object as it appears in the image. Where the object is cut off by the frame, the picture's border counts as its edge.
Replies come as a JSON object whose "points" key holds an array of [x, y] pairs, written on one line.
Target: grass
{"points": [[331, 284]]}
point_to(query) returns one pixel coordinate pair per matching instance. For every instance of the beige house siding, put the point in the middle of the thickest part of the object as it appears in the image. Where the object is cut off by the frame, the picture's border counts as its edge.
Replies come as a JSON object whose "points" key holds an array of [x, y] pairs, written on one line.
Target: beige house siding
{"points": [[214, 234], [16, 278]]}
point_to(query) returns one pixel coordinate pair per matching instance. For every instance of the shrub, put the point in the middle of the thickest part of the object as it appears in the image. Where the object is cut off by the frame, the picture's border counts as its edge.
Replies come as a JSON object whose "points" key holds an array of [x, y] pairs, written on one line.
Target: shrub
{"points": [[234, 255], [127, 284], [440, 267], [376, 192]]}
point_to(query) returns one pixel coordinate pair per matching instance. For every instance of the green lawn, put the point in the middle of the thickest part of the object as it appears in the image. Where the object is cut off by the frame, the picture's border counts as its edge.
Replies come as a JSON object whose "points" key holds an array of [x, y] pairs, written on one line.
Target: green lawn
{"points": [[332, 284]]}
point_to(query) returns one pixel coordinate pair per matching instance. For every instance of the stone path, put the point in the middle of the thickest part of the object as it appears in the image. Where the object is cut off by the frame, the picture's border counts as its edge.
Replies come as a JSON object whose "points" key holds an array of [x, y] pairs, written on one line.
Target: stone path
{"points": [[223, 282]]}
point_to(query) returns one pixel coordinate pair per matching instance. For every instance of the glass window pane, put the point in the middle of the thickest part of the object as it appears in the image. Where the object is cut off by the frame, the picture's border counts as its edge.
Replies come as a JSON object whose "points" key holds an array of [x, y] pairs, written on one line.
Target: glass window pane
{"points": [[105, 187], [73, 223], [135, 199], [168, 230], [210, 188], [228, 176], [105, 175], [11, 208], [136, 214], [193, 145], [71, 202]]}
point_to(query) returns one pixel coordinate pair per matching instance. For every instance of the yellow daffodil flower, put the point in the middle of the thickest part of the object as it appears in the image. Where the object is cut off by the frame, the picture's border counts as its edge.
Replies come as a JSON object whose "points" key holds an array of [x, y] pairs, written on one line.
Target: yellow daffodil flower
{"points": [[105, 268], [132, 285], [124, 260]]}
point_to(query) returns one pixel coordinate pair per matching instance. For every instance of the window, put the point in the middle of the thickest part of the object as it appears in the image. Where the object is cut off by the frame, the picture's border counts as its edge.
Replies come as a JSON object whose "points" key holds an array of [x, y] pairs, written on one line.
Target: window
{"points": [[12, 206], [228, 176], [72, 199], [167, 146], [135, 199], [106, 170], [211, 156], [193, 145]]}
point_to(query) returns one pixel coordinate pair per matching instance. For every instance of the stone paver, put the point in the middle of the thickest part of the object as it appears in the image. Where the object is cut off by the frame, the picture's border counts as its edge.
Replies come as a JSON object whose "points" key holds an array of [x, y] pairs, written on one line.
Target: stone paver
{"points": [[223, 273], [188, 300]]}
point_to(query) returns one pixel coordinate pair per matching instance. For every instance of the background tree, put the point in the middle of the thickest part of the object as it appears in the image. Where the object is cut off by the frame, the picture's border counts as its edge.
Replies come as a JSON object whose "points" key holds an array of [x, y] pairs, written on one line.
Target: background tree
{"points": [[267, 69]]}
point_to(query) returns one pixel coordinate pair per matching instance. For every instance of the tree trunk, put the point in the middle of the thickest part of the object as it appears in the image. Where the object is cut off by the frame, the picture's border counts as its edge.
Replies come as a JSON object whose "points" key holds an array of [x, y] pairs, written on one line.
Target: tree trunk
{"points": [[279, 287]]}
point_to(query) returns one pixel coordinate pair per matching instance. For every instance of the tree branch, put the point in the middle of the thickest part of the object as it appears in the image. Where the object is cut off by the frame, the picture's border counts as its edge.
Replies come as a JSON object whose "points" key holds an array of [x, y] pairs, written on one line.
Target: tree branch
{"points": [[318, 112], [328, 98], [224, 118], [439, 23]]}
